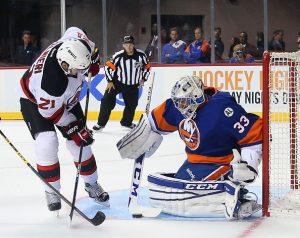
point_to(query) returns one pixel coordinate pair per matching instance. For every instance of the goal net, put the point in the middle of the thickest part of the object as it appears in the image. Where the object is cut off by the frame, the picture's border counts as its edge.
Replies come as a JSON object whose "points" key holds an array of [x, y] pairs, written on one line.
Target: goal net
{"points": [[281, 159]]}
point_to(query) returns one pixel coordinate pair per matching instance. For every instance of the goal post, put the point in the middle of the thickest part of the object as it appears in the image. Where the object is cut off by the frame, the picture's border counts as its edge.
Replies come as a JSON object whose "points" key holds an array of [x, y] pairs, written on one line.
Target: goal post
{"points": [[281, 146]]}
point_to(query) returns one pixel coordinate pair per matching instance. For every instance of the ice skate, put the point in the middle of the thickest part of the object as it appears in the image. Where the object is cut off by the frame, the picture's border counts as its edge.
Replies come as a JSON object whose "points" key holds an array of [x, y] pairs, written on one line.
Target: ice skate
{"points": [[129, 127], [96, 191], [248, 207], [98, 128], [53, 201]]}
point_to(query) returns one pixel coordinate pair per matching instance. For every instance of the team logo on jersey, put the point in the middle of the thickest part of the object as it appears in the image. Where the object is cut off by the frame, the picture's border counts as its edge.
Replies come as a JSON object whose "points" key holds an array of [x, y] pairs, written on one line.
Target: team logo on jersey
{"points": [[71, 102], [189, 133], [228, 112]]}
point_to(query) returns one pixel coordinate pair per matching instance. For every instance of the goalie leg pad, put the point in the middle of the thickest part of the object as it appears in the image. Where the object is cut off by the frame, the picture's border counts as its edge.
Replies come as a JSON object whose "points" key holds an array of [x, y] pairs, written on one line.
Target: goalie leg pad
{"points": [[140, 140], [196, 198], [185, 198]]}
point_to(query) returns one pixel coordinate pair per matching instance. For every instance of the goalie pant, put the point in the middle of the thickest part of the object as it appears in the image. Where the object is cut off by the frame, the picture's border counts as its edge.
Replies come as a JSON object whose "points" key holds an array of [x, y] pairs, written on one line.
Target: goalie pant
{"points": [[197, 199]]}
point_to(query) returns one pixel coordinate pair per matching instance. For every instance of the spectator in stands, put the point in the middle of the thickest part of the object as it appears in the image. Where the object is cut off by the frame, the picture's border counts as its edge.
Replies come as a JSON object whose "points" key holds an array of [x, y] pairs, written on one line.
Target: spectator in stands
{"points": [[277, 43], [152, 47], [173, 51], [151, 50], [187, 33], [233, 42], [239, 55], [219, 45], [164, 37], [247, 48], [259, 45], [199, 50], [26, 53]]}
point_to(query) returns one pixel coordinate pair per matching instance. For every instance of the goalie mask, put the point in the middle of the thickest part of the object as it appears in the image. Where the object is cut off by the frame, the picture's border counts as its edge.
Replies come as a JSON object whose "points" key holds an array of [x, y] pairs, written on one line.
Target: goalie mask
{"points": [[75, 53], [187, 94]]}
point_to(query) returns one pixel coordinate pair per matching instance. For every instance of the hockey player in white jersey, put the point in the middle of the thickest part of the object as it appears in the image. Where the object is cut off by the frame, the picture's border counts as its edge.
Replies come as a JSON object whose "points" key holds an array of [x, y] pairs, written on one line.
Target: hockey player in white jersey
{"points": [[50, 101]]}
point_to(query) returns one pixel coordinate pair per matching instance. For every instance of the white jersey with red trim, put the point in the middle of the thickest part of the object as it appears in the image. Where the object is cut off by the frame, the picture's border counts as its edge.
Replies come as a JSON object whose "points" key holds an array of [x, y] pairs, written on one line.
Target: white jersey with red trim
{"points": [[46, 84]]}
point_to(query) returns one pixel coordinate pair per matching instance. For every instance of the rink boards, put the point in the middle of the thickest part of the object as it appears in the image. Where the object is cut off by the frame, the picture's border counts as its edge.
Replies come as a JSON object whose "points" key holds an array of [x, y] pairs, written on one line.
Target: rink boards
{"points": [[244, 82]]}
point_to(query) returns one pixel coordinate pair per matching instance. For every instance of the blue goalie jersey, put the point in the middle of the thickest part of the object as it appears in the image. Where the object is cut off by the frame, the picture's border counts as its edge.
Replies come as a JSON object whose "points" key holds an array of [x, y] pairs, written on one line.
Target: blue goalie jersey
{"points": [[219, 126]]}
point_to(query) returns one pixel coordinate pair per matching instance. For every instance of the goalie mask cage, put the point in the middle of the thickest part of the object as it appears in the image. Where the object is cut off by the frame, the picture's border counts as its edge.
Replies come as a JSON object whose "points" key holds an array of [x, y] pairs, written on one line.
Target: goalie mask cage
{"points": [[281, 160]]}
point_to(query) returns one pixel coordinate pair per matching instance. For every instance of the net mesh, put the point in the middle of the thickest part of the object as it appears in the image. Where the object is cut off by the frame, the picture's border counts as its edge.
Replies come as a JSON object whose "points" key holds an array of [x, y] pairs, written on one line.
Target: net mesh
{"points": [[284, 161]]}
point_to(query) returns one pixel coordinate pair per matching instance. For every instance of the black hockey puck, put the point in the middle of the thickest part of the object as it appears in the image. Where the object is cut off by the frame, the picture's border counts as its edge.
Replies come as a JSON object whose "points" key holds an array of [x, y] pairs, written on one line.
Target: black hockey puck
{"points": [[137, 215]]}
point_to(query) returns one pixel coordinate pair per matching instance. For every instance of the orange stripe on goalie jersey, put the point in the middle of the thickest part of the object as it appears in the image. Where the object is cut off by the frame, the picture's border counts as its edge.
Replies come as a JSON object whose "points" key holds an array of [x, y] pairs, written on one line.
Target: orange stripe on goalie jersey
{"points": [[254, 134], [218, 173], [162, 124], [193, 158], [110, 65]]}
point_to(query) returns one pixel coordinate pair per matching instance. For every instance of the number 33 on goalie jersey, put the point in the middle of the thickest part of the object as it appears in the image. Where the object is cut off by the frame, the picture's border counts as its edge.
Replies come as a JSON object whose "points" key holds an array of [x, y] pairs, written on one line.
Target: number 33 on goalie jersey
{"points": [[46, 85], [220, 125]]}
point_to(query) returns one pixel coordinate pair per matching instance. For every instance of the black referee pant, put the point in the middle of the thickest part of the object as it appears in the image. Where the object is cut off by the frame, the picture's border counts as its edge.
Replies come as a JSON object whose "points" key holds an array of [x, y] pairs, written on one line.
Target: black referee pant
{"points": [[130, 95]]}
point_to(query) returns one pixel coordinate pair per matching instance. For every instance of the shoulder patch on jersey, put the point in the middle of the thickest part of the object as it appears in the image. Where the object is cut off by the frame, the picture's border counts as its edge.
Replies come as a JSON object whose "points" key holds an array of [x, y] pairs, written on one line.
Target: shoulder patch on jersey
{"points": [[189, 133], [54, 81], [228, 112]]}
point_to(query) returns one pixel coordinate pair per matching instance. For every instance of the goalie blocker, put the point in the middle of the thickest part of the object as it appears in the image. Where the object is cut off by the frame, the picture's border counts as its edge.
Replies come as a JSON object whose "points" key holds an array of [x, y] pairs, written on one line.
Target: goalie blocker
{"points": [[200, 199]]}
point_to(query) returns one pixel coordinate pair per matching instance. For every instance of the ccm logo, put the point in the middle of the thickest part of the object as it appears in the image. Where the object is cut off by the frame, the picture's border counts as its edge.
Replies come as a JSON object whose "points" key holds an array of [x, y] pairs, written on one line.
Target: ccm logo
{"points": [[204, 186], [72, 130]]}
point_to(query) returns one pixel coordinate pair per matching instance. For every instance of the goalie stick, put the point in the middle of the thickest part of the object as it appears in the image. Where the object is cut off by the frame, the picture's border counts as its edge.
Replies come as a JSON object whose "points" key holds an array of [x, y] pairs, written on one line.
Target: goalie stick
{"points": [[96, 220], [134, 208]]}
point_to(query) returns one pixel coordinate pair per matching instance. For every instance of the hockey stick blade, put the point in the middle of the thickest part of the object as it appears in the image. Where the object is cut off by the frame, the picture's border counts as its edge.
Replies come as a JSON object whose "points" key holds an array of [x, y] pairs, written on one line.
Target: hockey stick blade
{"points": [[98, 218], [144, 211]]}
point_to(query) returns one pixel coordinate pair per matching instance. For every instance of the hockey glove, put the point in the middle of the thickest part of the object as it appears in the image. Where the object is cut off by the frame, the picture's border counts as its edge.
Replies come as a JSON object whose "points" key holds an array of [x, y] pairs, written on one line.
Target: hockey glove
{"points": [[95, 62], [242, 173], [79, 134]]}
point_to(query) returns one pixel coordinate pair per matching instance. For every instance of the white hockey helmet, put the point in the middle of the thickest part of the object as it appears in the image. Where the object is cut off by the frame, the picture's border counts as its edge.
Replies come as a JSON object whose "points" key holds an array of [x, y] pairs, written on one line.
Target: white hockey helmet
{"points": [[76, 53], [187, 94]]}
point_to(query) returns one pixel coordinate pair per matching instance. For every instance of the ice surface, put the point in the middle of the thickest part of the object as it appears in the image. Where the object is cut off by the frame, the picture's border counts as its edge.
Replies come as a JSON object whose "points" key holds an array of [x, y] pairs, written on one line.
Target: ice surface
{"points": [[23, 211]]}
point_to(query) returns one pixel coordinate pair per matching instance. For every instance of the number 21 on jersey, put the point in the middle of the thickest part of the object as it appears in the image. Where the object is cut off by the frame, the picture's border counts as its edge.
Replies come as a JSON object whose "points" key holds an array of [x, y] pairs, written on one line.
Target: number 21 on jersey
{"points": [[46, 104]]}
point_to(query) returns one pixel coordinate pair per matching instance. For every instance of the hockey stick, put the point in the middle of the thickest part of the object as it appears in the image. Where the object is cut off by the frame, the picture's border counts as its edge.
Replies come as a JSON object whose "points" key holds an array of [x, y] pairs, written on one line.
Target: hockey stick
{"points": [[81, 149], [96, 220], [136, 210]]}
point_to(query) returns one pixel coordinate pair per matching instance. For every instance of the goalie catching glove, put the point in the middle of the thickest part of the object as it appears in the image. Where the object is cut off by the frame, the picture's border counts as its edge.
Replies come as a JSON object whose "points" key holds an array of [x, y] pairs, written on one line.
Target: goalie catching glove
{"points": [[245, 171], [140, 140], [79, 133]]}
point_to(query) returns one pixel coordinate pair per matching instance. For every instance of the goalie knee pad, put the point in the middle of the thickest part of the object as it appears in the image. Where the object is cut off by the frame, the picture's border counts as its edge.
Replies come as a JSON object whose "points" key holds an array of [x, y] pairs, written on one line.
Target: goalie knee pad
{"points": [[140, 140]]}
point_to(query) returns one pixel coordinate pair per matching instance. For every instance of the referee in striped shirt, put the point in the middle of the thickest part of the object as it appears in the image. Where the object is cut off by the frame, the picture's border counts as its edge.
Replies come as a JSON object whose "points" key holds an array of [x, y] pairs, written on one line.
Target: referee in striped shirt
{"points": [[125, 72]]}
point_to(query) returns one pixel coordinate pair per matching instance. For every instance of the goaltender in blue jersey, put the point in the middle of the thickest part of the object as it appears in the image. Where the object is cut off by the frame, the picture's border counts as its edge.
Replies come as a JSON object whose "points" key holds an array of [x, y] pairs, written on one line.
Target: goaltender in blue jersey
{"points": [[212, 179]]}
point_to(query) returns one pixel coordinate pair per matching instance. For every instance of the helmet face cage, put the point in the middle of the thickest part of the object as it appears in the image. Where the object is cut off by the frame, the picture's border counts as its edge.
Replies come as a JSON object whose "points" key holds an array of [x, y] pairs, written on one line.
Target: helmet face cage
{"points": [[187, 94], [74, 53]]}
